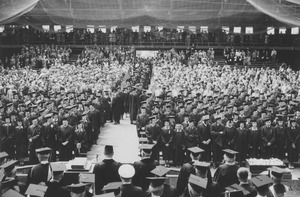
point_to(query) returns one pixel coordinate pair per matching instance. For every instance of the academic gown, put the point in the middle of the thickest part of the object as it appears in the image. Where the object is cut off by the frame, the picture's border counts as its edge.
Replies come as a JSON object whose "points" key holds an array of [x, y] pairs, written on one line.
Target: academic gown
{"points": [[250, 189], [280, 142], [129, 190], [133, 105], [38, 174], [186, 170], [65, 134], [226, 175], [55, 189], [254, 142], [204, 135], [106, 172], [143, 169]]}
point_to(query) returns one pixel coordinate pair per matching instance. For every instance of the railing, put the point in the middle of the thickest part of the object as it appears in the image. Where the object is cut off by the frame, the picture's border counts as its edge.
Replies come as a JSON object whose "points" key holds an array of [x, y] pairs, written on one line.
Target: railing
{"points": [[256, 41]]}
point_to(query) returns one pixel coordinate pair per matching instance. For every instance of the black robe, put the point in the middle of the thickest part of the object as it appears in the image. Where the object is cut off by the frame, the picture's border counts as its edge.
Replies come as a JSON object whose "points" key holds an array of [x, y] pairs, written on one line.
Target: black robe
{"points": [[106, 172], [55, 189], [38, 174], [226, 175], [143, 169], [205, 135], [65, 134], [129, 190]]}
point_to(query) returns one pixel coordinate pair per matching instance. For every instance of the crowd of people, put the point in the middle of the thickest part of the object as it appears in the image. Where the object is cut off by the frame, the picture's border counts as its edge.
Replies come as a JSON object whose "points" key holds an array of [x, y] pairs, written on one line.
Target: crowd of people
{"points": [[246, 57], [79, 36], [37, 57], [186, 107]]}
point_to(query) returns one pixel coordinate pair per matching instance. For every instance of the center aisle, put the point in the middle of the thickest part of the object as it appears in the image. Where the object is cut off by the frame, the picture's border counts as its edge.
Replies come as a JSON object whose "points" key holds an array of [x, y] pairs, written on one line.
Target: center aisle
{"points": [[124, 139]]}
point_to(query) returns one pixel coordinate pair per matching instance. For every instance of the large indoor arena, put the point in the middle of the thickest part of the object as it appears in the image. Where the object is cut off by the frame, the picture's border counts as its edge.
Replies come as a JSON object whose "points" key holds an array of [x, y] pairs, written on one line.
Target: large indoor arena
{"points": [[149, 98]]}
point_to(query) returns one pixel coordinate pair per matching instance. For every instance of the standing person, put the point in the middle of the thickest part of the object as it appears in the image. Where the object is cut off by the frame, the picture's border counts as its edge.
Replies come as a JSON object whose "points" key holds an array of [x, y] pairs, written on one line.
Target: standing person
{"points": [[116, 107], [133, 104], [55, 187], [205, 137], [254, 140], [34, 138], [49, 136], [80, 140], [144, 167], [107, 105], [217, 132], [126, 172], [142, 120], [230, 135], [153, 135], [178, 145], [242, 144], [65, 141], [226, 174], [8, 137], [107, 170], [40, 173], [277, 189], [280, 139], [167, 134], [187, 169], [95, 119], [191, 136], [267, 139], [293, 134], [21, 141], [243, 174]]}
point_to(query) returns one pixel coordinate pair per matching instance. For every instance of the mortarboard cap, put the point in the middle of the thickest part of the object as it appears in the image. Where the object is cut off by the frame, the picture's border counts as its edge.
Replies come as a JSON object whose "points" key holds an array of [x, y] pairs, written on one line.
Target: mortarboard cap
{"points": [[146, 147], [112, 186], [36, 190], [230, 153], [196, 150], [160, 171], [156, 181], [77, 188], [198, 181], [276, 171], [260, 181], [3, 155], [126, 171], [44, 150], [108, 149], [58, 167], [48, 115], [12, 193], [9, 166], [236, 190], [201, 164], [87, 178], [205, 117]]}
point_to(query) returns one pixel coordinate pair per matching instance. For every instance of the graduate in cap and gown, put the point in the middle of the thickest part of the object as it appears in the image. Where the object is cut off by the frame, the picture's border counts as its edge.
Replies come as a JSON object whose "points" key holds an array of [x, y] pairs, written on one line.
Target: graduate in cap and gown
{"points": [[178, 145], [277, 189], [144, 167], [188, 168], [157, 186], [55, 187], [65, 138], [205, 137], [268, 134], [40, 173], [107, 170], [167, 134], [226, 174], [293, 145], [34, 138]]}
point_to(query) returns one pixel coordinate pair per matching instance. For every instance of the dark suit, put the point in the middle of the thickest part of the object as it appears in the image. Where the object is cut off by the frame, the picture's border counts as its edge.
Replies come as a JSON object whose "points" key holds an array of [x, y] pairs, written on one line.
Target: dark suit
{"points": [[129, 190], [55, 189], [106, 172], [143, 169]]}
